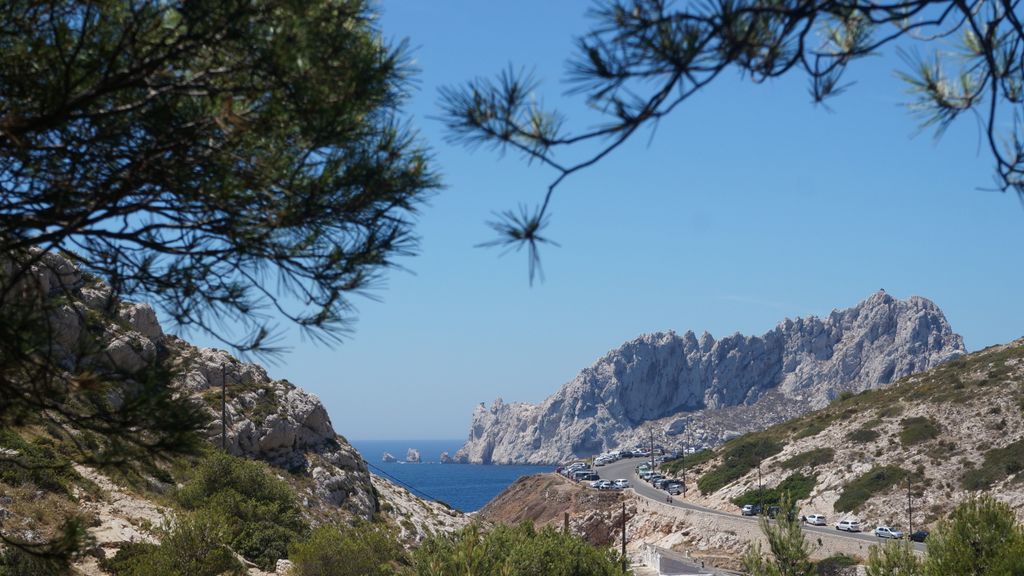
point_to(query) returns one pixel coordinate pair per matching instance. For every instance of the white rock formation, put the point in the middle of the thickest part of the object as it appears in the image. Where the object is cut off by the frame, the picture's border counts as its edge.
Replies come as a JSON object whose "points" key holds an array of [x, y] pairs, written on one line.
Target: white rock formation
{"points": [[686, 383], [412, 455], [388, 457]]}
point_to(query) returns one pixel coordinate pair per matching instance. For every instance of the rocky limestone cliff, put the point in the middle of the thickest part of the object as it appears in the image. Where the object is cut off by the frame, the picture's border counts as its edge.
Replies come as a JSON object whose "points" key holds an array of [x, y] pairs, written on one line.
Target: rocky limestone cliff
{"points": [[265, 419], [714, 389]]}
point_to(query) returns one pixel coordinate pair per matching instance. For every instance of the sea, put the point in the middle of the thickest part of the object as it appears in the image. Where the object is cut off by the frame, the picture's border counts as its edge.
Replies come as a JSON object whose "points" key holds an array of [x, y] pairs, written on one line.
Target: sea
{"points": [[465, 487]]}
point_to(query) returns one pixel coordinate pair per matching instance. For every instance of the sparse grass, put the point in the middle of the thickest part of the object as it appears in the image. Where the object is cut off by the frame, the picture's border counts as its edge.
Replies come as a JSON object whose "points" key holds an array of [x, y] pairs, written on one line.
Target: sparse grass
{"points": [[815, 457], [999, 463], [817, 425], [871, 483], [890, 411], [690, 460], [918, 429], [796, 485], [739, 456]]}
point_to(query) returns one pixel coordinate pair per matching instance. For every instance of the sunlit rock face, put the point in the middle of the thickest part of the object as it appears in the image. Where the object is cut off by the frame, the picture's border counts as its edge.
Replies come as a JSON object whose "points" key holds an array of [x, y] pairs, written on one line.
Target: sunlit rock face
{"points": [[710, 389]]}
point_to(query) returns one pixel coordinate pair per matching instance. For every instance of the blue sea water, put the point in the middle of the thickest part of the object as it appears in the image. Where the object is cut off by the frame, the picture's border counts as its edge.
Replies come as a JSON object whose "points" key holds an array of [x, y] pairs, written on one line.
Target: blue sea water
{"points": [[466, 487]]}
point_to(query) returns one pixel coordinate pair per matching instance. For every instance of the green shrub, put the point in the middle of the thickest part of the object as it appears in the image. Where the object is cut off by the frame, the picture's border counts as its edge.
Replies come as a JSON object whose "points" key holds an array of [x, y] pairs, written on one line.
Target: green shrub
{"points": [[834, 565], [797, 485], [520, 550], [265, 518], [872, 482], [816, 426], [739, 456], [918, 429], [363, 550], [815, 457], [999, 463], [690, 460], [863, 435], [981, 537], [38, 465], [196, 546], [890, 411]]}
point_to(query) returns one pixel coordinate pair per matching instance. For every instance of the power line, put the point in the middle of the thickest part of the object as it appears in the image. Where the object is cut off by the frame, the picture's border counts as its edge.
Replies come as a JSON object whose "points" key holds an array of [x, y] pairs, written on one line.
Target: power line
{"points": [[407, 485]]}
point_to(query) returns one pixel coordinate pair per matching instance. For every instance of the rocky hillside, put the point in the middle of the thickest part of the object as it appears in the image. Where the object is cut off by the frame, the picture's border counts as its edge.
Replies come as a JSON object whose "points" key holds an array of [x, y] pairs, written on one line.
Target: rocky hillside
{"points": [[946, 434], [714, 389], [269, 420]]}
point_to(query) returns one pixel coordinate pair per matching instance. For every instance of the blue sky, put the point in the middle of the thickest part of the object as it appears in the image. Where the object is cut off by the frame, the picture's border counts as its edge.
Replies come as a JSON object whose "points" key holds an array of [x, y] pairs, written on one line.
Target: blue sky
{"points": [[749, 205]]}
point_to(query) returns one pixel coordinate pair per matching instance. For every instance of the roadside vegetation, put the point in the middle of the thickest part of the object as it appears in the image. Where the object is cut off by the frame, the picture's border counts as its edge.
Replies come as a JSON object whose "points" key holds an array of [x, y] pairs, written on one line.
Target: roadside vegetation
{"points": [[689, 461], [796, 486], [979, 538], [872, 482], [739, 456]]}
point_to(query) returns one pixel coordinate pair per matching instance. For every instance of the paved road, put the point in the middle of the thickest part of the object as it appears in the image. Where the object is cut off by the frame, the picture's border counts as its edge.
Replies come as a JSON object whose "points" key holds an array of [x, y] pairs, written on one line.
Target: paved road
{"points": [[625, 469]]}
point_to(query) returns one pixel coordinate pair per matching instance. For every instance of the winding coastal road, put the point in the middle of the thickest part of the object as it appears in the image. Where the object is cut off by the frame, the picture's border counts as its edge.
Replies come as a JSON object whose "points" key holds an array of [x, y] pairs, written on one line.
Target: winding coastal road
{"points": [[626, 469]]}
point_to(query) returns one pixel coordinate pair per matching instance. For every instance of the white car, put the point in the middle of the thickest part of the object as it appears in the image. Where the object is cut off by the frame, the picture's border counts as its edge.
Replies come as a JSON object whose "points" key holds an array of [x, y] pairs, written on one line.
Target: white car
{"points": [[621, 483], [604, 485], [595, 483], [887, 532], [815, 519], [848, 525]]}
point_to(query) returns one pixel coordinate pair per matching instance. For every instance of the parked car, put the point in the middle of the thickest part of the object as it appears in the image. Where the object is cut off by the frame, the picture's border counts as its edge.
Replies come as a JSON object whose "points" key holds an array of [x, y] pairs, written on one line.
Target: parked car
{"points": [[887, 532], [919, 536], [604, 485], [815, 519], [674, 488], [595, 483], [751, 509], [621, 483], [848, 525]]}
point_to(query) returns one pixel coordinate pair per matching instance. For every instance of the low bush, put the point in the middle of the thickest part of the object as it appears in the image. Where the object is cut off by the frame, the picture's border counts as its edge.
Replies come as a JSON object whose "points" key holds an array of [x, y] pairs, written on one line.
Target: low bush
{"points": [[365, 549], [520, 549], [815, 457], [739, 456], [863, 435], [265, 518], [998, 464], [834, 565], [918, 429], [29, 463], [796, 485], [872, 482], [690, 460], [196, 546]]}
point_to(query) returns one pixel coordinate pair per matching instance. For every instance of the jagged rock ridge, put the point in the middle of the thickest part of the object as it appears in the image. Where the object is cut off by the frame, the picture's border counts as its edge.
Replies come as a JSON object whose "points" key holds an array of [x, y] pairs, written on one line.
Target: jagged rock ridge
{"points": [[713, 389]]}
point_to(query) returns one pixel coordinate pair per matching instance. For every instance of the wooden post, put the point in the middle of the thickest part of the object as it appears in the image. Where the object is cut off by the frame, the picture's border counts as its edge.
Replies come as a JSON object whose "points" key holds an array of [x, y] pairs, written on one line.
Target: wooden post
{"points": [[565, 526]]}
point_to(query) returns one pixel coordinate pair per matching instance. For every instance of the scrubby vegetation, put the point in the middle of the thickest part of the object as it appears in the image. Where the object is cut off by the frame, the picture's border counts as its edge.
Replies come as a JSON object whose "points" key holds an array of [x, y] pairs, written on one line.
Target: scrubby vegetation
{"points": [[999, 463], [518, 549], [690, 460], [739, 456], [797, 486], [196, 546], [872, 482], [263, 512], [36, 464], [367, 549], [918, 429], [834, 565], [863, 435], [812, 458]]}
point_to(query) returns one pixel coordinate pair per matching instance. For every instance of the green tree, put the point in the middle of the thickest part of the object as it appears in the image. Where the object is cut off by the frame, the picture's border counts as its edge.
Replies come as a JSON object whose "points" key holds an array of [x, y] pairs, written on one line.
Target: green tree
{"points": [[195, 546], [642, 59], [893, 559], [981, 537], [790, 553], [234, 162], [362, 550]]}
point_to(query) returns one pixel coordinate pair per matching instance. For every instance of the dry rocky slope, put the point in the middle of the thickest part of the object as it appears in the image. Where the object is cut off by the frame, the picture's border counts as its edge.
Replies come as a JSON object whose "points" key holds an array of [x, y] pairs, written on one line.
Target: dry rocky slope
{"points": [[714, 389], [954, 432], [266, 419]]}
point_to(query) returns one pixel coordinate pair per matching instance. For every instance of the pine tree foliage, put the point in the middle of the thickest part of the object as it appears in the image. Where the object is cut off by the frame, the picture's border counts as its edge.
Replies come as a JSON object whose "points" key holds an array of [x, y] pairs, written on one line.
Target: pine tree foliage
{"points": [[789, 552], [642, 59]]}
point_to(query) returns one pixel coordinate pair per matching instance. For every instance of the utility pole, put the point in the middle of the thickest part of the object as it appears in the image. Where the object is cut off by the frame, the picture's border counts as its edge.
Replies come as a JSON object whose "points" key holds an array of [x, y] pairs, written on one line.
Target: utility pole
{"points": [[565, 526], [910, 510], [760, 488], [223, 409], [623, 537], [652, 449]]}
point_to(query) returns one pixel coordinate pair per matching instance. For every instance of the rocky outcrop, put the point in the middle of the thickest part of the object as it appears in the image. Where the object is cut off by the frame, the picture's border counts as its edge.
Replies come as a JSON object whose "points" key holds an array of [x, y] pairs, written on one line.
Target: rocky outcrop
{"points": [[713, 389], [412, 455], [388, 457], [446, 458]]}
